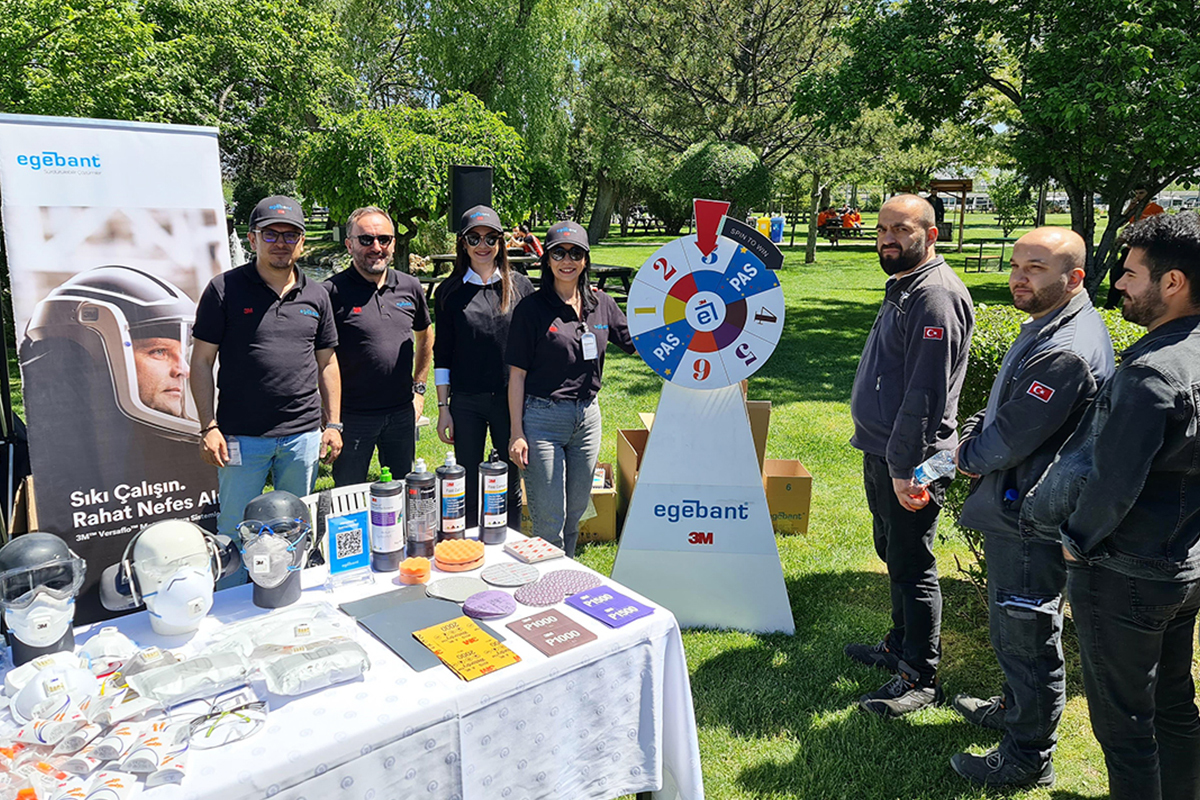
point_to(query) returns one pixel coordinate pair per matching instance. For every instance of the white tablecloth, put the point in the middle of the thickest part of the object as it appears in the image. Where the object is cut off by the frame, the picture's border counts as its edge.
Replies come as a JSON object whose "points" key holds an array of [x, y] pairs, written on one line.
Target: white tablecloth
{"points": [[610, 717]]}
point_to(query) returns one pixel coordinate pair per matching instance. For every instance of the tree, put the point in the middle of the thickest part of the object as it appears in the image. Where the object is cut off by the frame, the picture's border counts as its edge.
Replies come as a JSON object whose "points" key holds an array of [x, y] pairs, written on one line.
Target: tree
{"points": [[1010, 195], [1098, 95], [399, 159], [677, 73], [720, 171]]}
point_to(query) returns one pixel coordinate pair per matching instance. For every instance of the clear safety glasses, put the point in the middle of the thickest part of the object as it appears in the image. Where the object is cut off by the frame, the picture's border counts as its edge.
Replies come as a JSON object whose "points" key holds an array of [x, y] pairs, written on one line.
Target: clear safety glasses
{"points": [[161, 570], [225, 726], [58, 579]]}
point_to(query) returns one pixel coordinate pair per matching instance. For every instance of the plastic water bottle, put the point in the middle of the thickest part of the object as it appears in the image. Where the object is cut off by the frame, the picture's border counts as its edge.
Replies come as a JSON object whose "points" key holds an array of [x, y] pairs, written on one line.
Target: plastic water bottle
{"points": [[939, 465]]}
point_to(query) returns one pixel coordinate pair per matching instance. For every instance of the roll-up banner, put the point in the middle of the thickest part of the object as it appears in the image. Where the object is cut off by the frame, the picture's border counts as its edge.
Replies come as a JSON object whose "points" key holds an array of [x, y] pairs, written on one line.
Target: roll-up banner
{"points": [[112, 231]]}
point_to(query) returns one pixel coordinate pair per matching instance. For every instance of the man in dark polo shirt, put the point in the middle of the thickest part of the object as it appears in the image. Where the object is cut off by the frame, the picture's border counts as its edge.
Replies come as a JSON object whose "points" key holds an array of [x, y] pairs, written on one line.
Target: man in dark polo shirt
{"points": [[274, 331], [383, 328]]}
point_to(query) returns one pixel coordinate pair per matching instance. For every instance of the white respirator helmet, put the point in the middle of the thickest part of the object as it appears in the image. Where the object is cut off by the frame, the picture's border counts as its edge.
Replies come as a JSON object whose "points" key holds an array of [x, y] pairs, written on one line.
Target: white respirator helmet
{"points": [[172, 567]]}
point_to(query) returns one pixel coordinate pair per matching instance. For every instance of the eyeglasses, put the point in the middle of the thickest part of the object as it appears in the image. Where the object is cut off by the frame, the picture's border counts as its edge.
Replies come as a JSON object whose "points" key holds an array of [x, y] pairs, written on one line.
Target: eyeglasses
{"points": [[221, 727], [473, 239], [272, 236], [561, 253], [366, 239]]}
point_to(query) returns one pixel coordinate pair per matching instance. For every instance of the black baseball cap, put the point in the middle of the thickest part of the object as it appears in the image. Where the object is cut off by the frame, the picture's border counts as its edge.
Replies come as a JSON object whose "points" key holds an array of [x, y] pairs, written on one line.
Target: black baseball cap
{"points": [[566, 234], [480, 217], [277, 208]]}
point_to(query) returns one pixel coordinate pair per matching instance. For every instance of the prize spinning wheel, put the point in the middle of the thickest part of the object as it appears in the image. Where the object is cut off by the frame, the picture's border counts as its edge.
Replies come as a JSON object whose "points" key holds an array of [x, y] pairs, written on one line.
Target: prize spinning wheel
{"points": [[708, 321]]}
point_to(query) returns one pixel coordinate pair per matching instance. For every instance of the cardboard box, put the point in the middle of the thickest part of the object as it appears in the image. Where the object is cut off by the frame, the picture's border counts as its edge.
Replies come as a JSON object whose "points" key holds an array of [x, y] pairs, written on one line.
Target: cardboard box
{"points": [[600, 528], [631, 446], [789, 494]]}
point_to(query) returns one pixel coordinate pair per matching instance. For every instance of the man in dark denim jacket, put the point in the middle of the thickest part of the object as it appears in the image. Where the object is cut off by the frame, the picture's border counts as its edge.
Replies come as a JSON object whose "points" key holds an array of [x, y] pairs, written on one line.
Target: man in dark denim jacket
{"points": [[1124, 494], [1046, 382]]}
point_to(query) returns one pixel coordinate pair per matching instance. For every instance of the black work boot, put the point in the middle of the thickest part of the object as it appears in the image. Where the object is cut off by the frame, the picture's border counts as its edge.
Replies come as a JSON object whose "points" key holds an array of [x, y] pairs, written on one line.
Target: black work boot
{"points": [[988, 713], [994, 769], [903, 694], [875, 655]]}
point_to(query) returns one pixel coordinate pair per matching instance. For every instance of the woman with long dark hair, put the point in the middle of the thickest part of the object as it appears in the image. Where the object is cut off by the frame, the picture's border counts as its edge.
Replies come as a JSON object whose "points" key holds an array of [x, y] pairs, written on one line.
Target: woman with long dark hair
{"points": [[556, 358], [473, 308]]}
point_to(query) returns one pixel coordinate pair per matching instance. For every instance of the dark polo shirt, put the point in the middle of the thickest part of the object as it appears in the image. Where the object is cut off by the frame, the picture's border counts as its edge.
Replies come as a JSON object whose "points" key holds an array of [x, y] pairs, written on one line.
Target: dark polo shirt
{"points": [[268, 365], [375, 338], [545, 340]]}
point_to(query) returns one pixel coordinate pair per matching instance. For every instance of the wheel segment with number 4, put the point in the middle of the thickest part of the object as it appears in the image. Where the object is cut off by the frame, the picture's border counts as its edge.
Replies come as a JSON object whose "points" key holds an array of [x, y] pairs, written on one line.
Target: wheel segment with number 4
{"points": [[705, 322]]}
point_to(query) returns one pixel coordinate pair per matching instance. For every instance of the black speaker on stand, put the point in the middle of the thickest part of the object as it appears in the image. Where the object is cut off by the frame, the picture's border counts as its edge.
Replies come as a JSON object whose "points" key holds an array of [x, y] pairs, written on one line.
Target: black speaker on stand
{"points": [[469, 187]]}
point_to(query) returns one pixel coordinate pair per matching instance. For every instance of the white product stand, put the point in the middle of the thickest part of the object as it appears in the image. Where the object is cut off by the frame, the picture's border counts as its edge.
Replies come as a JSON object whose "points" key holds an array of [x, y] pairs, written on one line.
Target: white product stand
{"points": [[698, 537]]}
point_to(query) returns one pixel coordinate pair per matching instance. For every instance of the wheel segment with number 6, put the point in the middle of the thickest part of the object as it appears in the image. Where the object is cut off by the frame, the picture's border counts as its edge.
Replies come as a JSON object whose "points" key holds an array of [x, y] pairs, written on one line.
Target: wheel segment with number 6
{"points": [[705, 322]]}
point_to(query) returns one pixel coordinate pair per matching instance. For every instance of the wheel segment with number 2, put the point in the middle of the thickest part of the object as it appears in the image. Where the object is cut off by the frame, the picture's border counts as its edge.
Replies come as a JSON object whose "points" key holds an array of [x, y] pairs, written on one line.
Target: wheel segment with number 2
{"points": [[705, 322]]}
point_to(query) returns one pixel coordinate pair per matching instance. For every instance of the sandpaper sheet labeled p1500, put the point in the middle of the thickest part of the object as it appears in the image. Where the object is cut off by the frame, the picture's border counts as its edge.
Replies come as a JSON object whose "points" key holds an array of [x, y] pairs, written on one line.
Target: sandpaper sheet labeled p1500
{"points": [[609, 606], [551, 632]]}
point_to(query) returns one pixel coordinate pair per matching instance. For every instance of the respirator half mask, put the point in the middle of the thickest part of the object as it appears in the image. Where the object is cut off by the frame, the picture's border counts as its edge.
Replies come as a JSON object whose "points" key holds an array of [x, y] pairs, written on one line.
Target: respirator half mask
{"points": [[274, 549]]}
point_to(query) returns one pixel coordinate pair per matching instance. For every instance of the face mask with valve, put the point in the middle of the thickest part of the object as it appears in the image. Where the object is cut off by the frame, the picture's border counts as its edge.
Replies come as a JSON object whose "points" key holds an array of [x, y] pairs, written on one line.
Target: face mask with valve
{"points": [[276, 539], [39, 578]]}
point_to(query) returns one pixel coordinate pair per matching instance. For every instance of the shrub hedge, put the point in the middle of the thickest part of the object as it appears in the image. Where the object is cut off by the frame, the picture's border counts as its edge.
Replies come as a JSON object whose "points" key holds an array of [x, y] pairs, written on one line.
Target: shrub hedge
{"points": [[996, 328]]}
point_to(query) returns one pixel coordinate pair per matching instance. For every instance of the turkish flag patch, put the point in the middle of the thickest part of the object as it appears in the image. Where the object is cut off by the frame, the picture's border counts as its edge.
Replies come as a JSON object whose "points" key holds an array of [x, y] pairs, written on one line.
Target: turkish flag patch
{"points": [[356, 310], [1041, 391], [935, 333], [554, 329]]}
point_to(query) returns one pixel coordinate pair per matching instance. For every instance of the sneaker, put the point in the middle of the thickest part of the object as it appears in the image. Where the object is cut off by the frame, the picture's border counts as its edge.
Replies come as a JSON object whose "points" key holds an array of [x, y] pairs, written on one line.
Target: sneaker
{"points": [[875, 655], [993, 769], [902, 695], [988, 713]]}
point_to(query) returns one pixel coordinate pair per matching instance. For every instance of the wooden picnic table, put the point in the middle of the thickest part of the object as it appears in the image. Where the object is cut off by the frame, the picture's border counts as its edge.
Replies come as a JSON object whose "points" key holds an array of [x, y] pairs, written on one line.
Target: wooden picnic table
{"points": [[981, 260]]}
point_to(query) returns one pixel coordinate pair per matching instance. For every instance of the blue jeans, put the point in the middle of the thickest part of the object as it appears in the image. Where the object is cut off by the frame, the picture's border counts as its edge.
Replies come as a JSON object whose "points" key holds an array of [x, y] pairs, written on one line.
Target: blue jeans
{"points": [[396, 435], [1026, 577], [291, 462], [564, 442], [1135, 640]]}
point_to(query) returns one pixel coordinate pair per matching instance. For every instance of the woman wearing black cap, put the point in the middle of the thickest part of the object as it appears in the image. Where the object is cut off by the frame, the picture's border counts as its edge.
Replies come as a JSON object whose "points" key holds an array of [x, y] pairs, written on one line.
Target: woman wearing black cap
{"points": [[556, 354], [474, 307]]}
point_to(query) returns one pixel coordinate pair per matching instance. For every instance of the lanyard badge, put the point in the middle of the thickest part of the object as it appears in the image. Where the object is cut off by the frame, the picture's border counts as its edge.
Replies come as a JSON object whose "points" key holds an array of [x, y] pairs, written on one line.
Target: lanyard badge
{"points": [[589, 346]]}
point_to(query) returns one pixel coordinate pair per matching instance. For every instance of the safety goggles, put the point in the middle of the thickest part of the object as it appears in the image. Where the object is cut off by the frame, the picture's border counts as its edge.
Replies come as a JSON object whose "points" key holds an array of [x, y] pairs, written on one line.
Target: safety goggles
{"points": [[58, 579], [161, 570], [562, 253], [473, 239], [289, 527], [366, 239]]}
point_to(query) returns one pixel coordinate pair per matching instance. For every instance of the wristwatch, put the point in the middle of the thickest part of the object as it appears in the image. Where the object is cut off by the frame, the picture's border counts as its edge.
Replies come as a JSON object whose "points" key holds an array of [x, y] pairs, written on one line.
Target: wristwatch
{"points": [[335, 426], [419, 387]]}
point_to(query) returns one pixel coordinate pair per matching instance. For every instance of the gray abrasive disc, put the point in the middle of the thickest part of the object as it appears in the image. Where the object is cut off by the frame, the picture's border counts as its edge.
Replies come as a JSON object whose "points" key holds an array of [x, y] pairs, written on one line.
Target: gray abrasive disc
{"points": [[510, 574], [456, 589]]}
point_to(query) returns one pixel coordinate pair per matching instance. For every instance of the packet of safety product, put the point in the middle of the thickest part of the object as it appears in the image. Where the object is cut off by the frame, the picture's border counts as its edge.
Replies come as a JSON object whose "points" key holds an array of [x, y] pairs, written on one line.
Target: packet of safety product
{"points": [[294, 625], [29, 754], [129, 706], [154, 746], [71, 789], [173, 770], [110, 785], [301, 669], [42, 776], [144, 661], [54, 729], [74, 741], [82, 763], [117, 742], [203, 676]]}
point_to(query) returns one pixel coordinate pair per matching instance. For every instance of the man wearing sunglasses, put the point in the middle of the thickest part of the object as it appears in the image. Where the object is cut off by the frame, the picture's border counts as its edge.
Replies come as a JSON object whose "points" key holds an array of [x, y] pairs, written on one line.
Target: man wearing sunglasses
{"points": [[279, 380], [385, 346]]}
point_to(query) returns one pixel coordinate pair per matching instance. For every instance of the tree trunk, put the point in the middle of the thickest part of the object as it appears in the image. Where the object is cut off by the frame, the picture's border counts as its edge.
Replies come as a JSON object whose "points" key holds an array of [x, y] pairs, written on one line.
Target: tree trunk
{"points": [[854, 195], [408, 221], [826, 197], [1083, 222], [581, 204], [1040, 219], [810, 245], [1107, 251], [606, 198]]}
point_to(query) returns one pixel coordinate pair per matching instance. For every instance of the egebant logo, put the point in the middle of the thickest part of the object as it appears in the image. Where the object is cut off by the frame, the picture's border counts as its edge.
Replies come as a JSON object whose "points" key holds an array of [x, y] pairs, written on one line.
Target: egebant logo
{"points": [[694, 509], [55, 162]]}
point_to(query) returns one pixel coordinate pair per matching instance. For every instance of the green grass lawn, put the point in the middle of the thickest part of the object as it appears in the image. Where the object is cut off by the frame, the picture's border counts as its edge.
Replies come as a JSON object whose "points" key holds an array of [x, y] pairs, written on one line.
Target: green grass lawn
{"points": [[777, 714]]}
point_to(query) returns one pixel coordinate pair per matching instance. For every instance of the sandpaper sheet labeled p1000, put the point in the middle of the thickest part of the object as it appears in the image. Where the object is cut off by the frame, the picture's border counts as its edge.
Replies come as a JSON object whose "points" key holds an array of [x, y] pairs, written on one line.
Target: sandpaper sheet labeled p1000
{"points": [[551, 632], [609, 606]]}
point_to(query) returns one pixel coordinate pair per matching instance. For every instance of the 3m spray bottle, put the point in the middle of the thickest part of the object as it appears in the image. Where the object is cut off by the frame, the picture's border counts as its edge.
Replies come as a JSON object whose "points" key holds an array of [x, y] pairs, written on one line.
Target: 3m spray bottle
{"points": [[493, 500], [386, 526], [421, 511], [452, 489]]}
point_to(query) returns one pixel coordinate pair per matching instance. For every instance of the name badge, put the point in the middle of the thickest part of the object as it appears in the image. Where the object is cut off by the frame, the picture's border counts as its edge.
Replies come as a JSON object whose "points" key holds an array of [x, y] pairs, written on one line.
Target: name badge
{"points": [[235, 452], [589, 346]]}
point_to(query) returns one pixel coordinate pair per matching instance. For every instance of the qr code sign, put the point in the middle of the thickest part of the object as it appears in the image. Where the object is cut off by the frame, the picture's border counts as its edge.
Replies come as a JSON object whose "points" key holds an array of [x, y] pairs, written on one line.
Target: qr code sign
{"points": [[349, 544]]}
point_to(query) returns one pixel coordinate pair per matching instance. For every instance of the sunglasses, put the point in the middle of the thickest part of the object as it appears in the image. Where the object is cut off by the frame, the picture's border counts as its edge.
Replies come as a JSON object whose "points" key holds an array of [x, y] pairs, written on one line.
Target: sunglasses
{"points": [[366, 239], [271, 236], [561, 253], [490, 239]]}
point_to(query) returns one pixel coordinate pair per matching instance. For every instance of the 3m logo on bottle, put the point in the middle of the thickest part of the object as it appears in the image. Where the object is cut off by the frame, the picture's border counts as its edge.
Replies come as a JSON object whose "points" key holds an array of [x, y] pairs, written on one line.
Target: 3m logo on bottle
{"points": [[53, 162]]}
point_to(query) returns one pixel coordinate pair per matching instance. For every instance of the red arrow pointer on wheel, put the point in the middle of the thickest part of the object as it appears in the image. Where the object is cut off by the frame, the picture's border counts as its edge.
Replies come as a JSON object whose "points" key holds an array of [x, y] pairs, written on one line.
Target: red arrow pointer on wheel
{"points": [[708, 219]]}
